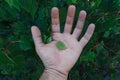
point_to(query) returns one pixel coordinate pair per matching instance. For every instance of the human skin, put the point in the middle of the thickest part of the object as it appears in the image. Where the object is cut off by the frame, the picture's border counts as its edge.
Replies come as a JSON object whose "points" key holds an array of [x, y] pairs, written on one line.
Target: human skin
{"points": [[58, 62]]}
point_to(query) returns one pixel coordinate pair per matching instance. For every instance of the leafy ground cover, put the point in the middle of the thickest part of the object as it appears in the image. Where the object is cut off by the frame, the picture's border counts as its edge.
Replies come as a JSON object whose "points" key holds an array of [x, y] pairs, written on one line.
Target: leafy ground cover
{"points": [[18, 59]]}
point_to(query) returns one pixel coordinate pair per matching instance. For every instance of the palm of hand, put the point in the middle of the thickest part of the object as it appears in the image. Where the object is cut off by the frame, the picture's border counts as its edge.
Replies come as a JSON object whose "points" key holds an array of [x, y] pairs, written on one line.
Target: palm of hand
{"points": [[62, 60]]}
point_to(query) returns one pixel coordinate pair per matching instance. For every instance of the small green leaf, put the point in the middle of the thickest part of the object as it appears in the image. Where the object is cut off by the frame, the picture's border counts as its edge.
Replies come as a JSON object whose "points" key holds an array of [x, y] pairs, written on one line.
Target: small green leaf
{"points": [[60, 45], [49, 39]]}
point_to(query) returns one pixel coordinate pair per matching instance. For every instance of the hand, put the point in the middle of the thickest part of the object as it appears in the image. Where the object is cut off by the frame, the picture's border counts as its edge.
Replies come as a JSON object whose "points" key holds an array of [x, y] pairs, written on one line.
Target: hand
{"points": [[63, 60]]}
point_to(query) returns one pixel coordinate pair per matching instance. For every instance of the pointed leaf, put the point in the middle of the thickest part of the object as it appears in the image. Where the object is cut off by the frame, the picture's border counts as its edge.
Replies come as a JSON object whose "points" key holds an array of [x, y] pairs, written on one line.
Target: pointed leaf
{"points": [[60, 45]]}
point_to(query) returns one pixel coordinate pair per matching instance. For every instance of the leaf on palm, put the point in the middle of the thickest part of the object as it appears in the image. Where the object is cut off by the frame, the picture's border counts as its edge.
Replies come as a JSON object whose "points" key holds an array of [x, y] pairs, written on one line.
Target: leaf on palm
{"points": [[60, 45]]}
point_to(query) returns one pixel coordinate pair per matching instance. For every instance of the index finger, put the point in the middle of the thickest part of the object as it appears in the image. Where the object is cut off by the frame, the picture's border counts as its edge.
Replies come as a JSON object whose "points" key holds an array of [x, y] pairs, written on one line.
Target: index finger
{"points": [[36, 36]]}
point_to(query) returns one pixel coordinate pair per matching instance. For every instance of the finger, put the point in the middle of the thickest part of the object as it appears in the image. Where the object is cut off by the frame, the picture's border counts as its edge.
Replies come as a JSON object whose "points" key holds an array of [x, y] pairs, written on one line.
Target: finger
{"points": [[55, 20], [87, 35], [70, 18], [80, 24], [36, 36]]}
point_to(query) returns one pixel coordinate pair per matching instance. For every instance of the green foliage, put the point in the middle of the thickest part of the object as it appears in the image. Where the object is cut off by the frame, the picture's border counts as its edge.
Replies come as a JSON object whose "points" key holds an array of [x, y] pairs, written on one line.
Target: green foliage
{"points": [[18, 59], [13, 3], [88, 58], [30, 6], [25, 43]]}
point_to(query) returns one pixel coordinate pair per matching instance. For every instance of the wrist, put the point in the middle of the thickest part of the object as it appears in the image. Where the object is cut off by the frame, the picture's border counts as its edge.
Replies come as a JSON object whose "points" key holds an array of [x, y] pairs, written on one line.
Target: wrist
{"points": [[52, 74]]}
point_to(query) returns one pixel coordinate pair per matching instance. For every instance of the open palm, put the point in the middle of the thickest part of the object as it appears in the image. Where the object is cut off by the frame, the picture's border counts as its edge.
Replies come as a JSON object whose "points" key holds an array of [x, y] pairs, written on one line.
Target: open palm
{"points": [[63, 60]]}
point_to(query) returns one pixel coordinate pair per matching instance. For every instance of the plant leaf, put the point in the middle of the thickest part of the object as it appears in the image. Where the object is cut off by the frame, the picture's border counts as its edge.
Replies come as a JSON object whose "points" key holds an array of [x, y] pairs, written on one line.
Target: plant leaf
{"points": [[60, 45]]}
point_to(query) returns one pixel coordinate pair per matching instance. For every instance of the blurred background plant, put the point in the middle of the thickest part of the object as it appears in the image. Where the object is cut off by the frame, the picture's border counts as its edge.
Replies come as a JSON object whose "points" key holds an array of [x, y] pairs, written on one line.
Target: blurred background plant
{"points": [[18, 59]]}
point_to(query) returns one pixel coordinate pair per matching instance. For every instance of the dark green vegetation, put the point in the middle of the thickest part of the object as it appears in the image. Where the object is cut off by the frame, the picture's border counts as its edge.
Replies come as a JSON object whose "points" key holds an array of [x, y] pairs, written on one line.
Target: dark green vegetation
{"points": [[100, 59]]}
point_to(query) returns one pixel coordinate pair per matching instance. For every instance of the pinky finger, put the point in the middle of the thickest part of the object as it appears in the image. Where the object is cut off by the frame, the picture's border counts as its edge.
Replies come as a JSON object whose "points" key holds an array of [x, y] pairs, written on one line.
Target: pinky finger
{"points": [[85, 39]]}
